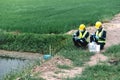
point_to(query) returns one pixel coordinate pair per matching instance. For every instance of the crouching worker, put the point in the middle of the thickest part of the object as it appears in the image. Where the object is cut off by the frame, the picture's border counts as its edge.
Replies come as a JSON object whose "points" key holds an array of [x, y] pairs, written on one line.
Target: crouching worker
{"points": [[100, 35], [80, 38]]}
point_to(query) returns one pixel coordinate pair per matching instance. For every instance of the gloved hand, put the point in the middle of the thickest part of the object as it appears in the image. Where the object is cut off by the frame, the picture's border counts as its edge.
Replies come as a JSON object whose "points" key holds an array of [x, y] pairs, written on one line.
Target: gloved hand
{"points": [[76, 38], [74, 35], [97, 37], [92, 34], [81, 40]]}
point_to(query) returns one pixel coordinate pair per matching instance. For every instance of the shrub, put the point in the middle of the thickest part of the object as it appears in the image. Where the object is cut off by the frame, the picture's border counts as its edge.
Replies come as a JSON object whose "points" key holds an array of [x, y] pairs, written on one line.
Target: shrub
{"points": [[32, 42]]}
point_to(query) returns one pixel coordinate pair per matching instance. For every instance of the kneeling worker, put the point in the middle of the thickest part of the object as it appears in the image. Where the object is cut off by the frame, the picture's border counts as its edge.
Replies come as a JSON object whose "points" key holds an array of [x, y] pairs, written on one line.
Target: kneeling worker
{"points": [[80, 38], [100, 35]]}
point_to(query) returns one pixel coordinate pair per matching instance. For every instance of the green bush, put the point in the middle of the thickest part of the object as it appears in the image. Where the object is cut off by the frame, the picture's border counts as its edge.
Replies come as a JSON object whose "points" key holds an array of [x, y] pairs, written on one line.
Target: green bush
{"points": [[32, 42]]}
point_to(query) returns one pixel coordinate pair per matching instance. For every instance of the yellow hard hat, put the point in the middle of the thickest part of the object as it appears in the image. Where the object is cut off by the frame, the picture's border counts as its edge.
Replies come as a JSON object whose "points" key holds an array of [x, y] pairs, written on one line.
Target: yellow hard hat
{"points": [[82, 27], [98, 24]]}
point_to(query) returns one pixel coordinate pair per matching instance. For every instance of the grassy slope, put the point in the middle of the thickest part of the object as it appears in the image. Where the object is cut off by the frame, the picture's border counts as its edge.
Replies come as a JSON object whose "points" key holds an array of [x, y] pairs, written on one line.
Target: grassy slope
{"points": [[77, 55], [69, 51], [53, 16], [30, 42], [105, 71], [100, 72]]}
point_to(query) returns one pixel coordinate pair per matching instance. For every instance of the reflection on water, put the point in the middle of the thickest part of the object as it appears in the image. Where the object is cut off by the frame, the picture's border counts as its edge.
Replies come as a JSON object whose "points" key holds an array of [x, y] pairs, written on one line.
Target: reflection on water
{"points": [[9, 64]]}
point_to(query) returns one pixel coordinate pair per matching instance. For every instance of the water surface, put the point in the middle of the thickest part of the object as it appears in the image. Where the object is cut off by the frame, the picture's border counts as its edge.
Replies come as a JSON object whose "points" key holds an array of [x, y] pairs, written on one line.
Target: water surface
{"points": [[9, 64]]}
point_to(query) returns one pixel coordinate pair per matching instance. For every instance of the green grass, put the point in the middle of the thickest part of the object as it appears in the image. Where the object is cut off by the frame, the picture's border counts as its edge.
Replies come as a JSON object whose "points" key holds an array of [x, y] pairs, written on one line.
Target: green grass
{"points": [[113, 52], [113, 49], [54, 16], [100, 72], [31, 42], [64, 66], [78, 55], [103, 71]]}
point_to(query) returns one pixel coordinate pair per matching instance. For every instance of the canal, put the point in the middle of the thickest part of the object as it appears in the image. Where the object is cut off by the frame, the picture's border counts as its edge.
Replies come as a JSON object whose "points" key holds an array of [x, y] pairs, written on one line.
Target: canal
{"points": [[10, 64]]}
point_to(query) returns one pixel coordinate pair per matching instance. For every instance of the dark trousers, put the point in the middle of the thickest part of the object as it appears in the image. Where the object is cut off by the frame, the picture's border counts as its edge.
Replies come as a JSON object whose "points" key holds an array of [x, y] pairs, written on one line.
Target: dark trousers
{"points": [[93, 39], [101, 45], [78, 43]]}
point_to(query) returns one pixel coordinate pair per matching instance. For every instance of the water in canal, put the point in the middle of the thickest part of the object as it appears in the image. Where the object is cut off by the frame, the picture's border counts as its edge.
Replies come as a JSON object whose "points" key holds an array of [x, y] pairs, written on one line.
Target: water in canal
{"points": [[9, 64]]}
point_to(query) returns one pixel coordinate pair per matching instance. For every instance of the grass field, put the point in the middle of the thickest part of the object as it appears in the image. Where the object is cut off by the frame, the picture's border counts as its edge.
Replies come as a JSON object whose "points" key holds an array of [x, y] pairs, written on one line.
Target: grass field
{"points": [[54, 16]]}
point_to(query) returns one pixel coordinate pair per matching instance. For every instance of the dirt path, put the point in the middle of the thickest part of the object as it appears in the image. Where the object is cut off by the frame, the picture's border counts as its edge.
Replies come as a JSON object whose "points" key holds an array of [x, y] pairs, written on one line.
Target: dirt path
{"points": [[22, 55], [49, 70]]}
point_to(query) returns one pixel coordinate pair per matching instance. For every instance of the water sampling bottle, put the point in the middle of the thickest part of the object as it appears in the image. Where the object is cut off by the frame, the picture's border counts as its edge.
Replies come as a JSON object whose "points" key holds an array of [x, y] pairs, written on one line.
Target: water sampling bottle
{"points": [[92, 47]]}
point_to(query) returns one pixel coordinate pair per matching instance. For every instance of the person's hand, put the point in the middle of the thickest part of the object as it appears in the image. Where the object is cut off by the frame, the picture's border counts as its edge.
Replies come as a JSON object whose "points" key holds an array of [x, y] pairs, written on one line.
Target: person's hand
{"points": [[97, 37], [74, 35], [76, 38], [92, 34], [81, 40]]}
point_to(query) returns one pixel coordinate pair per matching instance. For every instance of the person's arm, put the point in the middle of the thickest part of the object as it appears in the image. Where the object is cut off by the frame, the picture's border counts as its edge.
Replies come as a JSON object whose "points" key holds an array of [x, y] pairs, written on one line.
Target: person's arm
{"points": [[103, 37], [76, 34], [87, 35]]}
